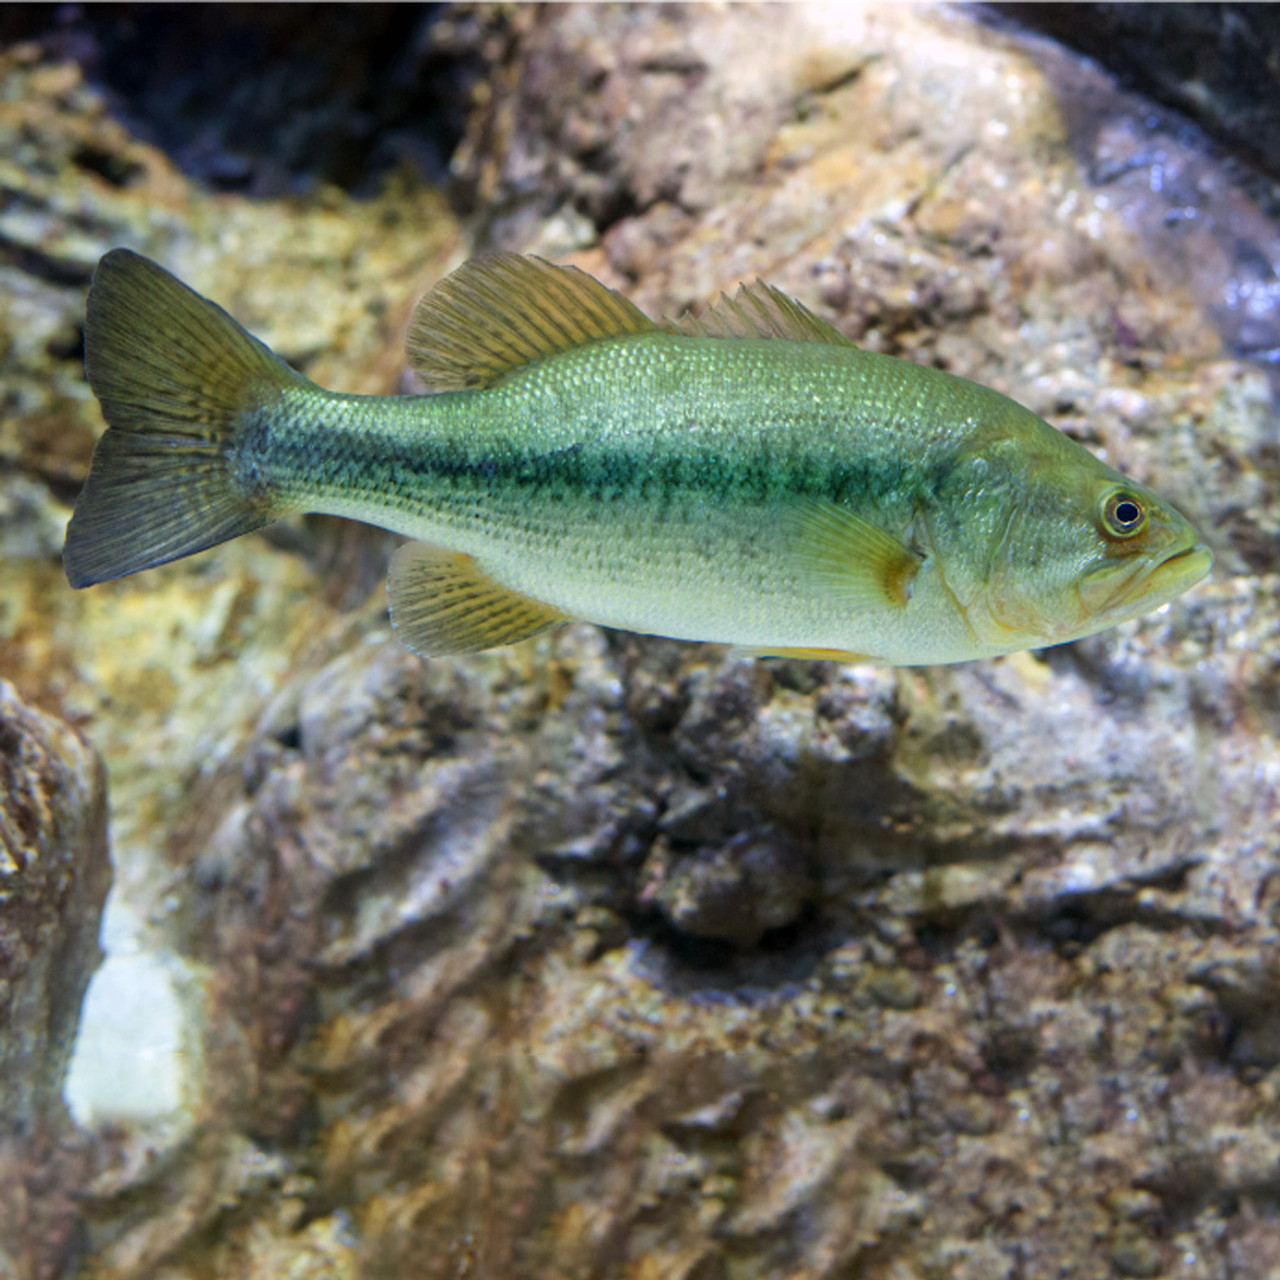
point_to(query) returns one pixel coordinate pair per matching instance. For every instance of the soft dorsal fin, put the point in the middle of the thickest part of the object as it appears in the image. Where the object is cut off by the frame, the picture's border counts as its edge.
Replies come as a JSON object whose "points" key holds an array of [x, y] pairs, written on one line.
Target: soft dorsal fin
{"points": [[758, 311], [501, 312]]}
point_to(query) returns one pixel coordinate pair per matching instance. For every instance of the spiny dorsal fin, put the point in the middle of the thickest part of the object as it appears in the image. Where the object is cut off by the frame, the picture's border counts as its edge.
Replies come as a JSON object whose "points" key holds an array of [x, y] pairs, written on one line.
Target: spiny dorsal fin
{"points": [[501, 312], [443, 602], [758, 311]]}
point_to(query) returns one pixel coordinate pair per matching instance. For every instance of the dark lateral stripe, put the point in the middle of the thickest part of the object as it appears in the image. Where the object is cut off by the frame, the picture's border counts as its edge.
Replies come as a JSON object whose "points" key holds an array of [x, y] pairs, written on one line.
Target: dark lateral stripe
{"points": [[383, 466]]}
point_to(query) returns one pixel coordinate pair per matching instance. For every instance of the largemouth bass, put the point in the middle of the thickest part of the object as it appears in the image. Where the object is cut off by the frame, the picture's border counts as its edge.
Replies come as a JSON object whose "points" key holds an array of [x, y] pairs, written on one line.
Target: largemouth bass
{"points": [[750, 477]]}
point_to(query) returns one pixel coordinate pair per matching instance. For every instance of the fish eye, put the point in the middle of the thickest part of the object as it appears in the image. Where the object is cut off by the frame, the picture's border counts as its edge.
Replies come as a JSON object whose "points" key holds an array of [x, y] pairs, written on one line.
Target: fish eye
{"points": [[1124, 515]]}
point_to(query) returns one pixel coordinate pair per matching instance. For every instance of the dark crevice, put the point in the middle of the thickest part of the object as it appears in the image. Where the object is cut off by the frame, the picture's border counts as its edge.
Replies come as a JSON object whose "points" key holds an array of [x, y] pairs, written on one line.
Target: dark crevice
{"points": [[266, 99], [114, 168], [49, 267], [717, 969]]}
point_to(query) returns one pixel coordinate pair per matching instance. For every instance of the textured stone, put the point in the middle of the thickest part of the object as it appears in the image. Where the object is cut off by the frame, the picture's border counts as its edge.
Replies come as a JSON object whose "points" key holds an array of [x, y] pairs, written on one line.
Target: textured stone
{"points": [[1218, 63], [54, 875]]}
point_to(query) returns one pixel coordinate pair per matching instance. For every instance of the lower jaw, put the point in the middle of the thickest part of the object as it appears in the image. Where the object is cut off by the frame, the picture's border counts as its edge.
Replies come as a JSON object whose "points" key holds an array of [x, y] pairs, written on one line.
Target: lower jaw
{"points": [[1178, 574], [1166, 582]]}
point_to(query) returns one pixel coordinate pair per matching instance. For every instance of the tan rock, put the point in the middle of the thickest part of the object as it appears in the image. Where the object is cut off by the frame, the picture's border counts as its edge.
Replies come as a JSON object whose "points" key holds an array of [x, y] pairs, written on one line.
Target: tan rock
{"points": [[54, 875]]}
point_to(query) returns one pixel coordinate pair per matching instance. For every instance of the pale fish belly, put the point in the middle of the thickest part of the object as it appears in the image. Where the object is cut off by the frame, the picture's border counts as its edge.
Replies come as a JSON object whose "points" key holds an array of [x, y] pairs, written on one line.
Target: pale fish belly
{"points": [[704, 574]]}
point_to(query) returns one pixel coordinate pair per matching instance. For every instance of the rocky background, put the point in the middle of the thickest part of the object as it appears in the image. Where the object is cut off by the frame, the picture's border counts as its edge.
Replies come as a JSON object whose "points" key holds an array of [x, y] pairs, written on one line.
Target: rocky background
{"points": [[604, 956]]}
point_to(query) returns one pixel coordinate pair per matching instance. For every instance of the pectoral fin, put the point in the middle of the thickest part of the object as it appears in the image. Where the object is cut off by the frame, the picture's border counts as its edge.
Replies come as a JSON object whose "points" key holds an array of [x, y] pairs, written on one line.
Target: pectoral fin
{"points": [[851, 557], [442, 602]]}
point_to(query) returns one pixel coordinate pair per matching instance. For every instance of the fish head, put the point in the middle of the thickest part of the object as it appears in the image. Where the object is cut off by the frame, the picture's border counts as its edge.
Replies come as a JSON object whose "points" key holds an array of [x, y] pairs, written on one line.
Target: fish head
{"points": [[1077, 549]]}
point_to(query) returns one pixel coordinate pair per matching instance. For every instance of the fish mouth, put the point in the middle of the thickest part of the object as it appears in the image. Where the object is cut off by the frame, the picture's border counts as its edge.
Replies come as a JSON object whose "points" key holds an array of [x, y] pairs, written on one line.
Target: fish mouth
{"points": [[1175, 574], [1157, 584]]}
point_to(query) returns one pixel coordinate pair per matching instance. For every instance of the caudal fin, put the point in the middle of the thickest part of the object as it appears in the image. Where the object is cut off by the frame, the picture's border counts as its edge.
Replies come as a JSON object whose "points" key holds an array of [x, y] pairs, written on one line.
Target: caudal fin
{"points": [[179, 381]]}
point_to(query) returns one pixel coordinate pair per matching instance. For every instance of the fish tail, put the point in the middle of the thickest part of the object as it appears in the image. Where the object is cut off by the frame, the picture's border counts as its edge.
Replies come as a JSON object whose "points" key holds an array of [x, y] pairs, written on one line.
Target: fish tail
{"points": [[181, 386]]}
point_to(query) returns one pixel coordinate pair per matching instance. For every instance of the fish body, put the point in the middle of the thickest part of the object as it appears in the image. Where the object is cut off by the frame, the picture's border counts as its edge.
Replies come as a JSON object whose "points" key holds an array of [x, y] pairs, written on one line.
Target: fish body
{"points": [[752, 478]]}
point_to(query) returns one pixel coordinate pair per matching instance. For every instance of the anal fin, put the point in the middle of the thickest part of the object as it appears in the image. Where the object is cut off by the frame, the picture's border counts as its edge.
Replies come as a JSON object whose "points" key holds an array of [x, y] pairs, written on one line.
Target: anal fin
{"points": [[442, 602]]}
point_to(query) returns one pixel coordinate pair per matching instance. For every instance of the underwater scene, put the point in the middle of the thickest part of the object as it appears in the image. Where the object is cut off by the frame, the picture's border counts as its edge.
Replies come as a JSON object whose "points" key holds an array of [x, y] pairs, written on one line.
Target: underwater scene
{"points": [[639, 642]]}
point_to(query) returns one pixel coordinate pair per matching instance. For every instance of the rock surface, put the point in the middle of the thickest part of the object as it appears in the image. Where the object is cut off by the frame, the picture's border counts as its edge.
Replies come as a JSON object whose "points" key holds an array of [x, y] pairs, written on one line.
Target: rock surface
{"points": [[613, 957], [54, 876], [1219, 63]]}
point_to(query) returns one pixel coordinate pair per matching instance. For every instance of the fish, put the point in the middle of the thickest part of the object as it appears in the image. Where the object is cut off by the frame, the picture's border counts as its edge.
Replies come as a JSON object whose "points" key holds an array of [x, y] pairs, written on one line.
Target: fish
{"points": [[747, 476]]}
